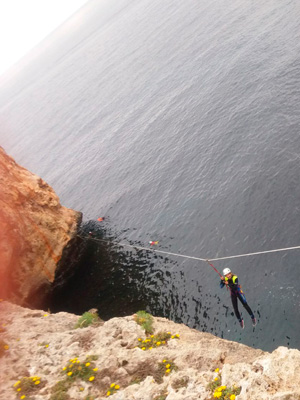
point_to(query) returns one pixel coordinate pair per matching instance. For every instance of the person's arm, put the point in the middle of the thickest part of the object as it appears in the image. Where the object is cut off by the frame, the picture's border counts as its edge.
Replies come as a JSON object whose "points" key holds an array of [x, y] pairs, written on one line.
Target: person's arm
{"points": [[222, 282]]}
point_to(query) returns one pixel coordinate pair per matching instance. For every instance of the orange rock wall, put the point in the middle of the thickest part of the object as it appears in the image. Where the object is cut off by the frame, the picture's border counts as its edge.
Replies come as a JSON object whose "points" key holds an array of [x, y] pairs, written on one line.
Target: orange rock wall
{"points": [[34, 229]]}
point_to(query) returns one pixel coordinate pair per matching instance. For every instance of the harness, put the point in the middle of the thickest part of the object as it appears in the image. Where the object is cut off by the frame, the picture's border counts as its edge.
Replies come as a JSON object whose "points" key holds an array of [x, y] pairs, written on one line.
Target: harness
{"points": [[234, 287]]}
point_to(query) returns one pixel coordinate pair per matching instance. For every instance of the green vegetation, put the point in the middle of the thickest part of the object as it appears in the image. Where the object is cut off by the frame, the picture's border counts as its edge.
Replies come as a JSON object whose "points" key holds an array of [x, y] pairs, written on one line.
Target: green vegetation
{"points": [[157, 340], [83, 370], [28, 386], [74, 370], [87, 319], [60, 391], [145, 320], [166, 367], [221, 391], [112, 389]]}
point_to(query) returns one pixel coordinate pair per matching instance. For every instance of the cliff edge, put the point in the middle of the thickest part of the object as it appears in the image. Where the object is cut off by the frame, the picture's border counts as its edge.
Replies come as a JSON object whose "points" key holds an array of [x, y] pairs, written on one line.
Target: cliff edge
{"points": [[44, 357], [34, 231]]}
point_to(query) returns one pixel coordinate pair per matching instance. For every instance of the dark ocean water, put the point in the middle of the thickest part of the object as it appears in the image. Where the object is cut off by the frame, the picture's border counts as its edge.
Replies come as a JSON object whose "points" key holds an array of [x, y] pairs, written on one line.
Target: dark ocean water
{"points": [[179, 122]]}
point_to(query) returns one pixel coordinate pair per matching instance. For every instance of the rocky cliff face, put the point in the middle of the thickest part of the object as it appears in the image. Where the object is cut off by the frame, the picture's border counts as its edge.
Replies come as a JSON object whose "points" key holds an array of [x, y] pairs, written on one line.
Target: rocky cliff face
{"points": [[34, 230], [44, 357]]}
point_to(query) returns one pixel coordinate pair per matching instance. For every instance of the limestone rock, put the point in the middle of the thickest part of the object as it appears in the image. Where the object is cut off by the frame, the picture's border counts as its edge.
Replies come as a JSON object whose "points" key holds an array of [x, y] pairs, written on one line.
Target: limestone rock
{"points": [[34, 230], [43, 344]]}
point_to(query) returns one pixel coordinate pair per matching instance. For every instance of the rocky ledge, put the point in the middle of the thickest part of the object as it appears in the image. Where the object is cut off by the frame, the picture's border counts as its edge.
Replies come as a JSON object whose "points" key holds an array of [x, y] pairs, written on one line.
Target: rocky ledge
{"points": [[44, 357], [35, 230]]}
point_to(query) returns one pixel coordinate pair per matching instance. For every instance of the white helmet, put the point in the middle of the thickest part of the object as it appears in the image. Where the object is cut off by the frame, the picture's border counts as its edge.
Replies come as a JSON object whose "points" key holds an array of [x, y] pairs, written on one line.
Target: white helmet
{"points": [[226, 271]]}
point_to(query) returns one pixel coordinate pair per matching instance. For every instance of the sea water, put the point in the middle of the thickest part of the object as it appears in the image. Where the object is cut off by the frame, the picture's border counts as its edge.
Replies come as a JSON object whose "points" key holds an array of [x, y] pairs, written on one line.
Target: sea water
{"points": [[178, 122]]}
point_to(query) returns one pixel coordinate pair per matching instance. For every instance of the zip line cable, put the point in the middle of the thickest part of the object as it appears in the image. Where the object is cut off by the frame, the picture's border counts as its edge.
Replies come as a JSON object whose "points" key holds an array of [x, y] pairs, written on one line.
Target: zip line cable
{"points": [[191, 257], [254, 254]]}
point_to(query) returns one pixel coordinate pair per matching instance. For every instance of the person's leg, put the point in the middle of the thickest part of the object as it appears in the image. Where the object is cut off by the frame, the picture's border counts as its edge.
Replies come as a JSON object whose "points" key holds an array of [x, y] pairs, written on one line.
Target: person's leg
{"points": [[236, 310], [243, 300], [235, 306]]}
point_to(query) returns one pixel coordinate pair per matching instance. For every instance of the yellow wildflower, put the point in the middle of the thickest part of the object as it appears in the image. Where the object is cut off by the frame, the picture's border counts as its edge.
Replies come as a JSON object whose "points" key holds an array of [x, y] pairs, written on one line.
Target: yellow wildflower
{"points": [[177, 335], [216, 378], [37, 382], [232, 397], [217, 394], [112, 385], [95, 369], [87, 364], [91, 378], [17, 383], [6, 347], [64, 368], [168, 371], [46, 345], [158, 343], [150, 348], [172, 337], [18, 390], [117, 387], [217, 370], [143, 348], [23, 397], [168, 366], [81, 389], [152, 336], [45, 315], [169, 333], [139, 339], [70, 373], [108, 393]]}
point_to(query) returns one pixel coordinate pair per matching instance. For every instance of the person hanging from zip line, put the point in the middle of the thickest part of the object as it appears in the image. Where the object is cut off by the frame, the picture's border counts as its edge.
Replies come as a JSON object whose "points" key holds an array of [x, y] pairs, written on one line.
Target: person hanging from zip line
{"points": [[230, 280]]}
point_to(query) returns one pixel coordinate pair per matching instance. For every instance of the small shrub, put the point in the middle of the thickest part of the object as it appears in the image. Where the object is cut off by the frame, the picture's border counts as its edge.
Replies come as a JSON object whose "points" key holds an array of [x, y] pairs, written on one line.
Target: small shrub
{"points": [[84, 370], [221, 391], [112, 389], [87, 319], [145, 320], [164, 369], [60, 396], [144, 369], [28, 386], [60, 389], [157, 340]]}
